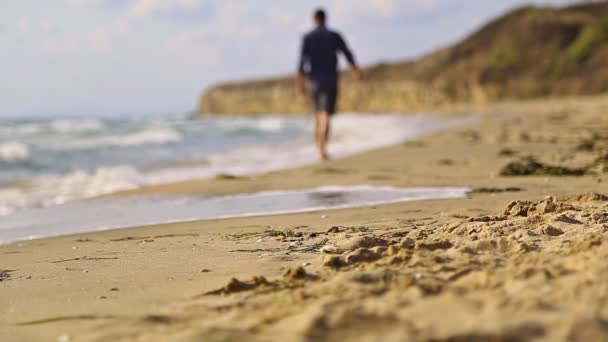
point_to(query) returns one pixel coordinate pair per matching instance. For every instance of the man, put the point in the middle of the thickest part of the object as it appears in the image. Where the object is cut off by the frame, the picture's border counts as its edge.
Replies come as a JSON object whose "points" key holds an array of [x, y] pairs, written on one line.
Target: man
{"points": [[319, 63]]}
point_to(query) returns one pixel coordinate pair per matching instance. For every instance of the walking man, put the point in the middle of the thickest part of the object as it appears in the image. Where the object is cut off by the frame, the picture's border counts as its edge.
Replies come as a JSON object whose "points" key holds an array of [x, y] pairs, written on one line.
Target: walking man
{"points": [[319, 64]]}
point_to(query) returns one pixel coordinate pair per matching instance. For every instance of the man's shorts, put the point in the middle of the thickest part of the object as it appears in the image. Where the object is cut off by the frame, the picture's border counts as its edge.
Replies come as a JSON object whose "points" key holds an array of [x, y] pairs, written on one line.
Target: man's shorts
{"points": [[324, 96]]}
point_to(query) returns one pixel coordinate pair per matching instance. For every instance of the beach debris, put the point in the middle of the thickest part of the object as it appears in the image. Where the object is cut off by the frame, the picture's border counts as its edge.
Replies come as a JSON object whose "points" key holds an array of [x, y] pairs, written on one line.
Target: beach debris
{"points": [[236, 285], [305, 264], [334, 230], [76, 269], [329, 249], [507, 152], [226, 176], [531, 167], [284, 233], [312, 248], [114, 289], [358, 229], [591, 143], [257, 250], [84, 258], [66, 318], [340, 229], [295, 244], [158, 319], [151, 238], [446, 162], [324, 216], [205, 270], [495, 190], [5, 274], [267, 233]]}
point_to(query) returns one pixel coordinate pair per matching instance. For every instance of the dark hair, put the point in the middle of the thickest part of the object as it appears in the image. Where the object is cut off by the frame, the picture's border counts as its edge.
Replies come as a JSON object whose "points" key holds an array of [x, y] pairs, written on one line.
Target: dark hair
{"points": [[320, 16]]}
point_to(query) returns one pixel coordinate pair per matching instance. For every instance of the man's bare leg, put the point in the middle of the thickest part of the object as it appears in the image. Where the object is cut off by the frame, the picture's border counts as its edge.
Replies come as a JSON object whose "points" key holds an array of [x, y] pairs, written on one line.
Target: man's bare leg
{"points": [[322, 134]]}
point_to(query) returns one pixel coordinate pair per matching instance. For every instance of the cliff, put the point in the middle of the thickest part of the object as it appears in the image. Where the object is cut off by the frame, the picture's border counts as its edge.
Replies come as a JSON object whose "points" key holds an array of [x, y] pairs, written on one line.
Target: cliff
{"points": [[530, 52]]}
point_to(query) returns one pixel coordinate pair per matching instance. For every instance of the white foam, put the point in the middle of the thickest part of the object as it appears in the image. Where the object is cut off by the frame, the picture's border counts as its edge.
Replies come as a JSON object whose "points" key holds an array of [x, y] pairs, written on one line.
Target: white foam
{"points": [[150, 136], [13, 151], [265, 124], [103, 214], [63, 126], [53, 190], [353, 133], [76, 126]]}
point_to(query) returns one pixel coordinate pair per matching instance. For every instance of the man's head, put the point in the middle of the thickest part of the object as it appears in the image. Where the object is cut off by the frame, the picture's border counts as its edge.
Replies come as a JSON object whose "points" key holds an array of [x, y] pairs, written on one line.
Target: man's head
{"points": [[320, 17]]}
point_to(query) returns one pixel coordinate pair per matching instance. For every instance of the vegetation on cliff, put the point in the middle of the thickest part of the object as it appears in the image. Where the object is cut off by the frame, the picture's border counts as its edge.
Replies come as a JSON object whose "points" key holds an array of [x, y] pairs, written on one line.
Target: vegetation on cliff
{"points": [[530, 52]]}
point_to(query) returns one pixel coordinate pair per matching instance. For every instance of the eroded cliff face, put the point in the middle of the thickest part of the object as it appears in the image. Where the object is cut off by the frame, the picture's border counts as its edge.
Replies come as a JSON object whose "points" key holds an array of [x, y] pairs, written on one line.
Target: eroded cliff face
{"points": [[367, 96], [530, 52]]}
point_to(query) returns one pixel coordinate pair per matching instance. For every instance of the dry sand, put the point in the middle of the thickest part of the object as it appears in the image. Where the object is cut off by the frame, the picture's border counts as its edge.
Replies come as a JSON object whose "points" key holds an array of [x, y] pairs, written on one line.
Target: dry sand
{"points": [[508, 263]]}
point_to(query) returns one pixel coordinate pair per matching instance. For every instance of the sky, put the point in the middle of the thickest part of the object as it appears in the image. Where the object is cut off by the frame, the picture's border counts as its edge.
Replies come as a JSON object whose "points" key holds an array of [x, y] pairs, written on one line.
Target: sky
{"points": [[124, 57]]}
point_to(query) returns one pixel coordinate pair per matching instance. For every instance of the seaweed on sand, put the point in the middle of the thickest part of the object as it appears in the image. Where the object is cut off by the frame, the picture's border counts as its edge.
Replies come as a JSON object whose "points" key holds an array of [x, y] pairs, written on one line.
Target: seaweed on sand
{"points": [[269, 232], [532, 167], [66, 318], [591, 143], [226, 176], [5, 274], [495, 190]]}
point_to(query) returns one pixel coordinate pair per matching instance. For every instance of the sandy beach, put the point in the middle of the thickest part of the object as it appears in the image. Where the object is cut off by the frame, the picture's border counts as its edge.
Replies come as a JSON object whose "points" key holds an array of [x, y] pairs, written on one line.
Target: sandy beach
{"points": [[522, 258]]}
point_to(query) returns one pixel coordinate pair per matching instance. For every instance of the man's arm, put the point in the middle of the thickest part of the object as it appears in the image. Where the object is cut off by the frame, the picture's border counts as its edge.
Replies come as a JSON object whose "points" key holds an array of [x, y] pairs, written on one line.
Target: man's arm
{"points": [[301, 77], [343, 47]]}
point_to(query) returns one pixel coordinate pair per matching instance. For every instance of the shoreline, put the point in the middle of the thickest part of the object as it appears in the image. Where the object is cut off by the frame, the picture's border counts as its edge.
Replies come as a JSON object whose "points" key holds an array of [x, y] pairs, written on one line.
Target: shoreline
{"points": [[162, 271]]}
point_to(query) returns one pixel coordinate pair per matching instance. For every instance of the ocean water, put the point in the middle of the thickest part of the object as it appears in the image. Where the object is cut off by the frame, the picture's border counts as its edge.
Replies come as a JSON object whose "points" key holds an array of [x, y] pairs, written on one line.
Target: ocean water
{"points": [[115, 213], [50, 162], [45, 162]]}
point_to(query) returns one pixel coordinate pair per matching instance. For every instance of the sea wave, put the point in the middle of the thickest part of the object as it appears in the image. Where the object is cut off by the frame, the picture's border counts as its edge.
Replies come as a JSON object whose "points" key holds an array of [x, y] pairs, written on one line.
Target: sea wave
{"points": [[14, 151], [201, 149], [150, 136], [76, 126], [269, 125], [46, 191], [61, 126]]}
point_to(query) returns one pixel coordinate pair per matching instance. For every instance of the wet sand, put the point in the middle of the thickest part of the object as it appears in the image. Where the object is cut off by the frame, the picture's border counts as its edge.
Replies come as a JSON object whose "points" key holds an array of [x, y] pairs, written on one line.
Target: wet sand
{"points": [[483, 268]]}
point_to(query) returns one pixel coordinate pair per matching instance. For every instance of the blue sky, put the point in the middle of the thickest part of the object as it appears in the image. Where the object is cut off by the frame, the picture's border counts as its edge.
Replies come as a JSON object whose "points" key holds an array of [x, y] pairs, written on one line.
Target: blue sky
{"points": [[112, 57]]}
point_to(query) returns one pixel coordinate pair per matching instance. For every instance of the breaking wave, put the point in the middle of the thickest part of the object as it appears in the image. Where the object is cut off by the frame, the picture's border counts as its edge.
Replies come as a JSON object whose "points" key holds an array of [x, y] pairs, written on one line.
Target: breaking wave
{"points": [[13, 151]]}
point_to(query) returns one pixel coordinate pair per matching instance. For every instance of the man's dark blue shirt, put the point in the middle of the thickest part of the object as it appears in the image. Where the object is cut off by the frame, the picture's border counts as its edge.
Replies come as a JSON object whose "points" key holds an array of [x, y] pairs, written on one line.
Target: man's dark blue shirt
{"points": [[319, 57]]}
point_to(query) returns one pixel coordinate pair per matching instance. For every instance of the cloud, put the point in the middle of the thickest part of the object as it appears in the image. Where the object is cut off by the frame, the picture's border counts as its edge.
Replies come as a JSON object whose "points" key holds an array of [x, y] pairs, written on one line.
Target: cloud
{"points": [[98, 3], [144, 8], [357, 9], [156, 55]]}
